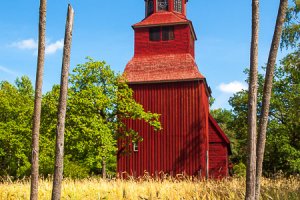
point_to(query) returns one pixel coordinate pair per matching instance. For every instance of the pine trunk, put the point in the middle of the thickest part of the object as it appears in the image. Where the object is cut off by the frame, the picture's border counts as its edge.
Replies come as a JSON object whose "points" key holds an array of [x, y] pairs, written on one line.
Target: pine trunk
{"points": [[38, 102], [252, 105], [267, 93], [59, 150]]}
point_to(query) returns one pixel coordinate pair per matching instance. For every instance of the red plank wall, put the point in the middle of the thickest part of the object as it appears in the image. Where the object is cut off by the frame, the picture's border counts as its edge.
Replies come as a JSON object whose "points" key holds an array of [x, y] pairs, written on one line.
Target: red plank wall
{"points": [[182, 43], [218, 153], [182, 144]]}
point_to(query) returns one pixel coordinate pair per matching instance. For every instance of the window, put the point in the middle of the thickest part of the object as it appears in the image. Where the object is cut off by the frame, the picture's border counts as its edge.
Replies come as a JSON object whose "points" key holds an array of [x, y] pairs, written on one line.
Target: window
{"points": [[167, 33], [150, 7], [162, 5], [154, 34], [178, 5], [135, 147], [164, 33]]}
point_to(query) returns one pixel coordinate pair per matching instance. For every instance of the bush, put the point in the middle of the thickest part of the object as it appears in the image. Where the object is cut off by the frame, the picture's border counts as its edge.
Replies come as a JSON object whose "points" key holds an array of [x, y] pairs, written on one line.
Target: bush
{"points": [[75, 170], [239, 170]]}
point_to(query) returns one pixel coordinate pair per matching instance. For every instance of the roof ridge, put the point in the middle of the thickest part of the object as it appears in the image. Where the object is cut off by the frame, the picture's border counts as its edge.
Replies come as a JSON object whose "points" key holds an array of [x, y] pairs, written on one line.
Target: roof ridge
{"points": [[156, 19]]}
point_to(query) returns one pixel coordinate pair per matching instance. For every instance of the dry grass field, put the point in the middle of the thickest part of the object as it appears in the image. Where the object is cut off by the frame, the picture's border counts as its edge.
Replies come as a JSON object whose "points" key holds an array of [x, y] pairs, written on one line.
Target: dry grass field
{"points": [[171, 189]]}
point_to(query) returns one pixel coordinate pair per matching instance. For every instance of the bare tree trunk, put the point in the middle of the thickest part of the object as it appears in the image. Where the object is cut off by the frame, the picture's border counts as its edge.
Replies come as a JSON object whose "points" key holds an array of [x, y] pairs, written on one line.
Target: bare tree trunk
{"points": [[252, 105], [103, 168], [267, 93], [38, 103], [59, 155]]}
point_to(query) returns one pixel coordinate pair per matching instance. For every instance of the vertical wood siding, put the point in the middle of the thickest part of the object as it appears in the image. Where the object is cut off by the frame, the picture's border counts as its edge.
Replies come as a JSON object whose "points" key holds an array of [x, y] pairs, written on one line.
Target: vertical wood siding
{"points": [[182, 144], [183, 42], [218, 154]]}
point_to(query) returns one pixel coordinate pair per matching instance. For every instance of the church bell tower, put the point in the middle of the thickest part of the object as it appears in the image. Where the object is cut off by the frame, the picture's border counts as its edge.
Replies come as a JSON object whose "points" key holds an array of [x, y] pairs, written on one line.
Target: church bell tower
{"points": [[165, 79], [164, 44]]}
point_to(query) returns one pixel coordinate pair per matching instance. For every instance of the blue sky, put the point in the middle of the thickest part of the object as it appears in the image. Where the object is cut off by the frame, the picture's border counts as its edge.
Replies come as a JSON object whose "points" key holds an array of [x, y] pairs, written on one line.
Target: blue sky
{"points": [[102, 30]]}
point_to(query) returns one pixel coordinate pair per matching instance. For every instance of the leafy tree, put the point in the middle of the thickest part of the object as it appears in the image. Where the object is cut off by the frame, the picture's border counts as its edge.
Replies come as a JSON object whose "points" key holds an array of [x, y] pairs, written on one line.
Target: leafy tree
{"points": [[100, 102], [291, 30], [285, 115], [283, 142], [15, 127], [48, 130]]}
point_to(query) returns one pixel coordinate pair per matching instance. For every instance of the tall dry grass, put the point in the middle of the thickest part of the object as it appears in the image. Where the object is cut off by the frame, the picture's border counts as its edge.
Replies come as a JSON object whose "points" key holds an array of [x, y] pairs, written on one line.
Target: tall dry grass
{"points": [[171, 189]]}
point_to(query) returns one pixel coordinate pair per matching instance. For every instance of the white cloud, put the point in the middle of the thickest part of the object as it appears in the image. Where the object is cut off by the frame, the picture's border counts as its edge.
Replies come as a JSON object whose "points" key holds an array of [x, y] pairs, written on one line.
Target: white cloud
{"points": [[32, 44], [53, 47], [232, 87], [26, 44], [221, 101], [8, 71]]}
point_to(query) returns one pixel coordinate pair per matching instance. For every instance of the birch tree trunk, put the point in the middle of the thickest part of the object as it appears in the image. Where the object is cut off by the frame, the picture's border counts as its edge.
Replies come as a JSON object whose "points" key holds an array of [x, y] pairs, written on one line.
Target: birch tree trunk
{"points": [[59, 150], [38, 102], [252, 105], [267, 93]]}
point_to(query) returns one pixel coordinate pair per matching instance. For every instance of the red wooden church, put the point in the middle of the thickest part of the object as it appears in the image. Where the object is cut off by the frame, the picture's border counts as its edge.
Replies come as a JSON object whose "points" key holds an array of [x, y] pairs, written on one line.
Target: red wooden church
{"points": [[166, 80]]}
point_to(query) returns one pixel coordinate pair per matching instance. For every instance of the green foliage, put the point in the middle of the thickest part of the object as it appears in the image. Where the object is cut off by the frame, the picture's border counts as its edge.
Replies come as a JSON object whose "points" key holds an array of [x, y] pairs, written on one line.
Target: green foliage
{"points": [[48, 131], [283, 133], [283, 137], [75, 169], [15, 127], [211, 101], [99, 102], [239, 170], [291, 30]]}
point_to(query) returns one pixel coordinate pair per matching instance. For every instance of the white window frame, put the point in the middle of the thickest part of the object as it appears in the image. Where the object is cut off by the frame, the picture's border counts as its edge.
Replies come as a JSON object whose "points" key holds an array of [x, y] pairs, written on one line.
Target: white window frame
{"points": [[176, 5], [135, 147], [157, 9]]}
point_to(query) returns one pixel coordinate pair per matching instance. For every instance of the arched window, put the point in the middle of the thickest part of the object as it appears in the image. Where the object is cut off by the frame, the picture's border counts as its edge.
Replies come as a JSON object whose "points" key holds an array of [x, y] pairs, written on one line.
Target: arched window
{"points": [[162, 5], [178, 5]]}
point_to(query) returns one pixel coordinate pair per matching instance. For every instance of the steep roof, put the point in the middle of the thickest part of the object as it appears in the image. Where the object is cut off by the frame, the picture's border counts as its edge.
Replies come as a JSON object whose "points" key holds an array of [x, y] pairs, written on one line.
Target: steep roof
{"points": [[161, 18], [220, 132], [162, 67]]}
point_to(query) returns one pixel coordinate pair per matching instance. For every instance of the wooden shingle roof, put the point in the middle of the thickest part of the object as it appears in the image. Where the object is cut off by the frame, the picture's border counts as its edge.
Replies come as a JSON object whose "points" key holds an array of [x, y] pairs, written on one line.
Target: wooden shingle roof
{"points": [[162, 67], [162, 18]]}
